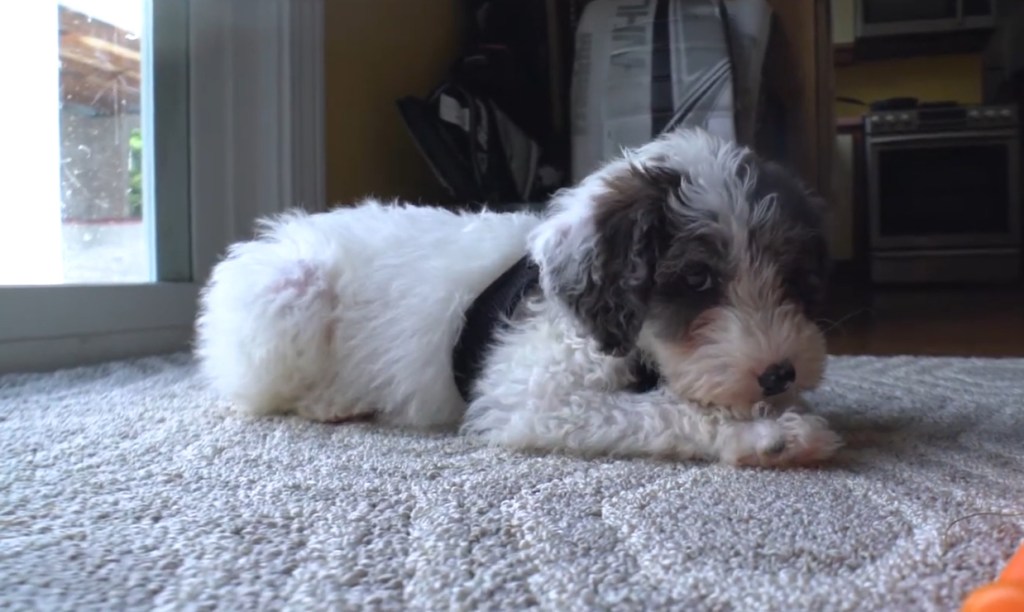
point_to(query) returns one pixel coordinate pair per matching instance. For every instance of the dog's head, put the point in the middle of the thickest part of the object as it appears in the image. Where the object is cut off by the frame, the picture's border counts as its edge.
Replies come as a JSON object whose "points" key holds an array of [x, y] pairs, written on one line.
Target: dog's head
{"points": [[706, 258]]}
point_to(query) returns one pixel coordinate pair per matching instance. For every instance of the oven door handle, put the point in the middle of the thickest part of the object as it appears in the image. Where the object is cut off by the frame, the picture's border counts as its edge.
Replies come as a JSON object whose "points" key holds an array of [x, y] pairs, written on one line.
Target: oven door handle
{"points": [[969, 135]]}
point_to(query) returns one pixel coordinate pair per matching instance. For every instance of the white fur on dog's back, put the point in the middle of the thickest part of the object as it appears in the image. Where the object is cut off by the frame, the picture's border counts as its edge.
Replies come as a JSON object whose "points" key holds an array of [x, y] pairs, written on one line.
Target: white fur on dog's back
{"points": [[352, 311]]}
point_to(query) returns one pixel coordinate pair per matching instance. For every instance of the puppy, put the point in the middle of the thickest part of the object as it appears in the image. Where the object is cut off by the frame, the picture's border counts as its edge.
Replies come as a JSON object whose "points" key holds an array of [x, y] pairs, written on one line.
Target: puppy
{"points": [[662, 307]]}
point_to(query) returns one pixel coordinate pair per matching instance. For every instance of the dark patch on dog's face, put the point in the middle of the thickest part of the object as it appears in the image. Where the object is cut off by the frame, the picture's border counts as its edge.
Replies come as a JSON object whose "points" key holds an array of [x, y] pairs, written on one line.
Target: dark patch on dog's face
{"points": [[692, 274], [794, 237]]}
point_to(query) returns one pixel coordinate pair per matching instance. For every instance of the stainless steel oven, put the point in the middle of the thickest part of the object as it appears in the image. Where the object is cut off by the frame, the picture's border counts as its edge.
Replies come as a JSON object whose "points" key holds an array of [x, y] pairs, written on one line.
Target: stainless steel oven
{"points": [[944, 194]]}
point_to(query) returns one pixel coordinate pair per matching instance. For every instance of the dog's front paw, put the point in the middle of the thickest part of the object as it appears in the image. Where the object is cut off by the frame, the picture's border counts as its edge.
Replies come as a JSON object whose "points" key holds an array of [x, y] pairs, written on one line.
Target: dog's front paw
{"points": [[808, 439], [790, 440]]}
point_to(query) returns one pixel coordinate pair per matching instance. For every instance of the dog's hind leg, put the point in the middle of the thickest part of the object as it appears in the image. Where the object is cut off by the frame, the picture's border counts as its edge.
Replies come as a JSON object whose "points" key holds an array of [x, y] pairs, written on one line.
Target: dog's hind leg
{"points": [[653, 424], [265, 332]]}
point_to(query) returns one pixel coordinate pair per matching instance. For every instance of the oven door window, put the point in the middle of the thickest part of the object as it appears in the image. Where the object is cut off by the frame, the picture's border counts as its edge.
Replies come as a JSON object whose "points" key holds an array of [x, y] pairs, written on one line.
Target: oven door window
{"points": [[946, 188], [895, 11]]}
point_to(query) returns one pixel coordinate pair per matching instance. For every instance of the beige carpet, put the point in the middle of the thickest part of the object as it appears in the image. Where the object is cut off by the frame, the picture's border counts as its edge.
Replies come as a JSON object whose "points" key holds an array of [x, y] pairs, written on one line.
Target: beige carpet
{"points": [[127, 486]]}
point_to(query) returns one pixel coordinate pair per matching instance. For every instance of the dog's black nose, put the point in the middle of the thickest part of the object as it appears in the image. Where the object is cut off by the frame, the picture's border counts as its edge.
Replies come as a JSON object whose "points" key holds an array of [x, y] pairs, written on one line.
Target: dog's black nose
{"points": [[777, 378]]}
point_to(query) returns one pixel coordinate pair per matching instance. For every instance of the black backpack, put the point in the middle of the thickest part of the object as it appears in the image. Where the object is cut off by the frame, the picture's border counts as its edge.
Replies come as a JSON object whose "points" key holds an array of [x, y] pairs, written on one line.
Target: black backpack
{"points": [[493, 131]]}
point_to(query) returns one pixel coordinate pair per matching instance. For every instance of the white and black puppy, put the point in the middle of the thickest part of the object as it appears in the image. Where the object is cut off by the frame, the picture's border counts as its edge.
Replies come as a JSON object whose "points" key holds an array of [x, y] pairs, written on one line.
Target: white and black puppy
{"points": [[662, 307]]}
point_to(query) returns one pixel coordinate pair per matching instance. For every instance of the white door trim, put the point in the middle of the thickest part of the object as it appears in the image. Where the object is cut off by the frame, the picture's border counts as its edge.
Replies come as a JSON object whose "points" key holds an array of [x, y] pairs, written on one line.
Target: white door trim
{"points": [[304, 113], [257, 117]]}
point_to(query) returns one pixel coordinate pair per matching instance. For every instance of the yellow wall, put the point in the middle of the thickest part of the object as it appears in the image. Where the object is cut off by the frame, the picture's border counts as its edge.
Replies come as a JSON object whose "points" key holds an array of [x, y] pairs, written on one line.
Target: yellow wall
{"points": [[377, 51], [929, 78]]}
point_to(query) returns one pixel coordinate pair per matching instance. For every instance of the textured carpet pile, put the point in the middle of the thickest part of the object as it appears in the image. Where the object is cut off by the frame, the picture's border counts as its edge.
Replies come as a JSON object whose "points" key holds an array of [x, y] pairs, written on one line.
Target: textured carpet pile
{"points": [[128, 486]]}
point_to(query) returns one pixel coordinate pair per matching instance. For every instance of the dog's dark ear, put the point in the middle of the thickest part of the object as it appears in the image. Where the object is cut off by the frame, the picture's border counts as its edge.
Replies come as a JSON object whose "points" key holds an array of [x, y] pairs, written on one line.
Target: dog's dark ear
{"points": [[802, 236], [798, 202], [602, 250]]}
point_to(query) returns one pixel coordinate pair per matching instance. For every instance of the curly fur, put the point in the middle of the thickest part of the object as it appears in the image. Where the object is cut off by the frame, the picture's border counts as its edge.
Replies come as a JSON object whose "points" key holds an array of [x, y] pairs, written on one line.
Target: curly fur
{"points": [[355, 312]]}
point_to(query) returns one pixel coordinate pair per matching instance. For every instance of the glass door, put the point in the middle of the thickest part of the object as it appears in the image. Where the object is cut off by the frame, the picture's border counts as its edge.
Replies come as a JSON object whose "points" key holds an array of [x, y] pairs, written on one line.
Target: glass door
{"points": [[94, 194]]}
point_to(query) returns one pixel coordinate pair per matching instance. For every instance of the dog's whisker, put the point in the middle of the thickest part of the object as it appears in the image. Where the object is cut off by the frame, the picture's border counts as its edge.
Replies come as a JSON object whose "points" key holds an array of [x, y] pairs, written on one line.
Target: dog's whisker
{"points": [[834, 324]]}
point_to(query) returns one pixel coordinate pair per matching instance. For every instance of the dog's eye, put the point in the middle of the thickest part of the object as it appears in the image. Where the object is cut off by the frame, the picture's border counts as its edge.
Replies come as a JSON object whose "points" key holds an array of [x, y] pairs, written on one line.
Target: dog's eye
{"points": [[692, 279], [699, 280]]}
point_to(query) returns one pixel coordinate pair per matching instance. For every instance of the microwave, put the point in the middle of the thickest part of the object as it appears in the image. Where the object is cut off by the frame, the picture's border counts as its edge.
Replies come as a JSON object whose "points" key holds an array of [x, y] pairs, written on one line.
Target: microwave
{"points": [[900, 17]]}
